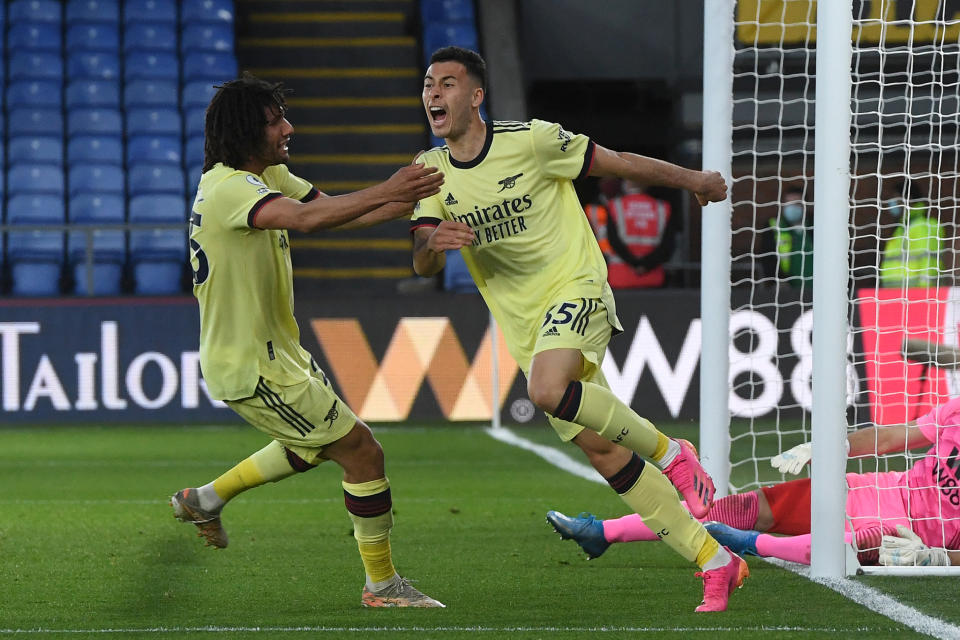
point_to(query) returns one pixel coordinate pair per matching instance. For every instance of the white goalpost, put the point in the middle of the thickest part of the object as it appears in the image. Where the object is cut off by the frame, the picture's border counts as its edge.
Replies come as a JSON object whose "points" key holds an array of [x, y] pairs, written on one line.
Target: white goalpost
{"points": [[832, 240]]}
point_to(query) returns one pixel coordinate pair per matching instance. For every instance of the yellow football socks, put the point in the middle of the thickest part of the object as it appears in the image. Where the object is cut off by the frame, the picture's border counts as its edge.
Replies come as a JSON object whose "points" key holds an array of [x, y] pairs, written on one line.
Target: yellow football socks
{"points": [[270, 464], [648, 492], [370, 508], [601, 411]]}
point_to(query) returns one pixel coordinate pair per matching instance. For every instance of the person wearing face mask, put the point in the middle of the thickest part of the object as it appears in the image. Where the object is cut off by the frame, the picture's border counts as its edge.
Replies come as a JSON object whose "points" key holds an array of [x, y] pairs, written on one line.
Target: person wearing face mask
{"points": [[911, 257], [794, 241]]}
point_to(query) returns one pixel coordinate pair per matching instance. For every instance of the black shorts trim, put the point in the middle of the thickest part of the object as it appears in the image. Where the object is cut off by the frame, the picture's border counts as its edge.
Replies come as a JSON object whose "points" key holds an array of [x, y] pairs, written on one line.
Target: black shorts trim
{"points": [[285, 411]]}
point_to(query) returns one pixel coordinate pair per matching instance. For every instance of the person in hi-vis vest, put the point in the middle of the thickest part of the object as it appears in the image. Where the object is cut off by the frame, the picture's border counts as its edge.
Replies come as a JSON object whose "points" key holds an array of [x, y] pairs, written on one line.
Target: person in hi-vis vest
{"points": [[787, 247], [911, 257], [636, 234]]}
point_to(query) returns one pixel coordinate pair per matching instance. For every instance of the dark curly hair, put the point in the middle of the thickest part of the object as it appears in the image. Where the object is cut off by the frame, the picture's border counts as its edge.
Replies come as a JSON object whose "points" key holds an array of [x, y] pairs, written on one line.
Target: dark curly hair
{"points": [[235, 125]]}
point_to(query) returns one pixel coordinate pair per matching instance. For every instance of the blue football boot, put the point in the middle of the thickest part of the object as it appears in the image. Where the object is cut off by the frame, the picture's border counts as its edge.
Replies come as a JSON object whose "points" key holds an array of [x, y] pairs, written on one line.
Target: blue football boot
{"points": [[585, 529], [737, 540]]}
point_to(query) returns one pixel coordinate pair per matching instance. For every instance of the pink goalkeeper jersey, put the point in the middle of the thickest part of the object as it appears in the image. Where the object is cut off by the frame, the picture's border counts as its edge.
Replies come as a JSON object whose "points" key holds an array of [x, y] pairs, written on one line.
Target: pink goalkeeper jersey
{"points": [[926, 497]]}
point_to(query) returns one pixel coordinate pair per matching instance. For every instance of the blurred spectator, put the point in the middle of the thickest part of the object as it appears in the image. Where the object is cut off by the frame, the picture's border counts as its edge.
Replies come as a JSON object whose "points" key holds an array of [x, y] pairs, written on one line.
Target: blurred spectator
{"points": [[788, 250], [636, 234], [911, 257]]}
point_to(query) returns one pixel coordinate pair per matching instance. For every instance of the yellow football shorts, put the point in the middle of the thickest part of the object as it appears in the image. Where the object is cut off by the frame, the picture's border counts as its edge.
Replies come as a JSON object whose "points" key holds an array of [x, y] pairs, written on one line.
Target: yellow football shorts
{"points": [[304, 417], [583, 324]]}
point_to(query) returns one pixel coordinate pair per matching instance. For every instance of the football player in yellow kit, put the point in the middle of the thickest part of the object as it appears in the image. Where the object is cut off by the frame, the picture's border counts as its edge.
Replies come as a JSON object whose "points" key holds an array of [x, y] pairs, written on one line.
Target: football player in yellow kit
{"points": [[509, 205]]}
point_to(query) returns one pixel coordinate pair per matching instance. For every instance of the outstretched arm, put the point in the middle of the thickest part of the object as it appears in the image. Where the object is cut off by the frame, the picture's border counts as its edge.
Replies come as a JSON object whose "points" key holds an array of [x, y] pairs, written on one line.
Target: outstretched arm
{"points": [[385, 213], [863, 442], [707, 186], [408, 185], [881, 440]]}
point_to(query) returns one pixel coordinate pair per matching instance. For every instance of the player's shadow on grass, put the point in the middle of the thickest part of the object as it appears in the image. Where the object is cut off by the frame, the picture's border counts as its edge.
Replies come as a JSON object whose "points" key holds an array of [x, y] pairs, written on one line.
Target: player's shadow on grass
{"points": [[163, 579]]}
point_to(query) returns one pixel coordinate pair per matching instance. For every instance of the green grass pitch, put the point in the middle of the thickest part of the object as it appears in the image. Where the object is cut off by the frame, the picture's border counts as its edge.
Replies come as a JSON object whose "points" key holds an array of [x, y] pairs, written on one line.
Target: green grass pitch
{"points": [[89, 549]]}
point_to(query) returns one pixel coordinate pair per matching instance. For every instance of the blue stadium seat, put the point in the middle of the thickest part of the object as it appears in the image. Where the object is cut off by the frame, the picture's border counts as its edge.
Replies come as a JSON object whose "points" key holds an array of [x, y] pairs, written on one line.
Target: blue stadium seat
{"points": [[158, 122], [35, 208], [95, 149], [158, 256], [442, 34], [107, 269], [27, 178], [35, 257], [156, 178], [94, 122], [33, 93], [194, 122], [150, 36], [93, 93], [151, 65], [150, 11], [93, 37], [34, 36], [158, 207], [44, 122], [158, 277], [36, 261], [108, 246], [207, 11], [34, 11], [215, 67], [97, 208], [96, 178], [193, 152], [197, 94], [35, 149], [207, 36], [446, 11], [151, 149], [105, 11], [35, 65], [95, 65], [150, 93]]}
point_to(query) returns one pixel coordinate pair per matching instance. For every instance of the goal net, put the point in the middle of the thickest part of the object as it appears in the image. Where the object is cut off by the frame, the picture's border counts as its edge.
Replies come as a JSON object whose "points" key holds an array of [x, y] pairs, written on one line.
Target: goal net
{"points": [[902, 310]]}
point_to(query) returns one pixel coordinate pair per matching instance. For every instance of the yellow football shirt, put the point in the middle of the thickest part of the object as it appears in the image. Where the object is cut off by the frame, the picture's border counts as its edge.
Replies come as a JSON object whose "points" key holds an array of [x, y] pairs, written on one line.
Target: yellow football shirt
{"points": [[244, 282], [533, 245]]}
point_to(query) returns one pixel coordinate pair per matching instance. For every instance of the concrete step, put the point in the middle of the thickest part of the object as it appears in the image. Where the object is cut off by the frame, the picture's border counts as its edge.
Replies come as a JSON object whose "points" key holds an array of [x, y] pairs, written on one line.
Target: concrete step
{"points": [[347, 167], [359, 111], [297, 52], [325, 82], [374, 138], [350, 23]]}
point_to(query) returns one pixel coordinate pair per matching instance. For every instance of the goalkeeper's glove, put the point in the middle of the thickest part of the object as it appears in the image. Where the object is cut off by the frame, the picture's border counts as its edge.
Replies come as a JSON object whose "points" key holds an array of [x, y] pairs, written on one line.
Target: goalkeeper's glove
{"points": [[792, 460], [906, 549]]}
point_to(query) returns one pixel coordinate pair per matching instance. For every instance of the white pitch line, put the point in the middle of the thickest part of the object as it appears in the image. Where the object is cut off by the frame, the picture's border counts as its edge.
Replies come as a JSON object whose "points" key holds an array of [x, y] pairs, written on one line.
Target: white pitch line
{"points": [[879, 602], [419, 629], [861, 594], [554, 456]]}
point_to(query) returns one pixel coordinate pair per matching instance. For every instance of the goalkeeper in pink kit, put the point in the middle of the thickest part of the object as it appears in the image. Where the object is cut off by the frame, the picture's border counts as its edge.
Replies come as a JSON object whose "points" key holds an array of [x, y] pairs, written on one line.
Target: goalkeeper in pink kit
{"points": [[896, 518]]}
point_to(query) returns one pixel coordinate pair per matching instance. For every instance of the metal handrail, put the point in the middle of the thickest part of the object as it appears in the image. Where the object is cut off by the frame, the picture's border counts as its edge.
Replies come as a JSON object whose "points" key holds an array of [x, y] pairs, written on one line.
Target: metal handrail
{"points": [[89, 229]]}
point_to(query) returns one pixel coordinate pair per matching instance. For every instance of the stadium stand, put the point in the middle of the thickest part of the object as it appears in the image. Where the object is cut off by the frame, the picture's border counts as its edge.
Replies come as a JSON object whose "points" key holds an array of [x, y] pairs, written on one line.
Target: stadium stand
{"points": [[94, 93]]}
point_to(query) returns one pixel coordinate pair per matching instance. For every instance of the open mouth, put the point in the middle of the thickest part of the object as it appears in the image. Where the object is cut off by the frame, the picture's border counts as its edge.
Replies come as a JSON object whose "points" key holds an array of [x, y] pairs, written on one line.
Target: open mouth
{"points": [[438, 115]]}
